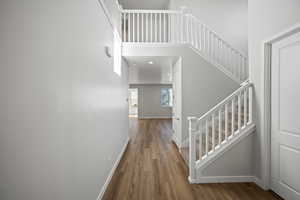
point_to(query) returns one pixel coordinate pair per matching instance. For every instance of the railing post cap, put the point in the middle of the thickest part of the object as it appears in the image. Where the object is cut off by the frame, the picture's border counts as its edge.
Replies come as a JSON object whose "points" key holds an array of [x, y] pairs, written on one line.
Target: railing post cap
{"points": [[192, 118], [185, 9]]}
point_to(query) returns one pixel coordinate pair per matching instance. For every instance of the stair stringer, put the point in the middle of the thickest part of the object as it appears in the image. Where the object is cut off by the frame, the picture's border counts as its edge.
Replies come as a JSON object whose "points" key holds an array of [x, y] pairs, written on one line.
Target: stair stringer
{"points": [[227, 163]]}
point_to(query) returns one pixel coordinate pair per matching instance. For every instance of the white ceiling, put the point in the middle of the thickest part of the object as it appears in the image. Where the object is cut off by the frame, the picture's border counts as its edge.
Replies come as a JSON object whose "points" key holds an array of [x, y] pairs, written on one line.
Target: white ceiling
{"points": [[141, 71], [144, 4]]}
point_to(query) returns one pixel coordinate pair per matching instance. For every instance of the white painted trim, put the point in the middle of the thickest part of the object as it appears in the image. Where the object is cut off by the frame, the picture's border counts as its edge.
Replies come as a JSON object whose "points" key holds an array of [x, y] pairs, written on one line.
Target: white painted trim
{"points": [[176, 141], [192, 181], [156, 117], [285, 33], [110, 19], [225, 179], [226, 147], [107, 13], [112, 171], [266, 99], [151, 44]]}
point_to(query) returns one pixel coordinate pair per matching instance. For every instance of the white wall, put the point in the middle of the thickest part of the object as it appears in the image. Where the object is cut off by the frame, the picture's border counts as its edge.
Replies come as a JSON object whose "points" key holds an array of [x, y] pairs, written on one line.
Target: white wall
{"points": [[145, 4], [141, 72], [203, 85], [149, 101], [63, 118], [266, 19], [227, 17], [236, 162]]}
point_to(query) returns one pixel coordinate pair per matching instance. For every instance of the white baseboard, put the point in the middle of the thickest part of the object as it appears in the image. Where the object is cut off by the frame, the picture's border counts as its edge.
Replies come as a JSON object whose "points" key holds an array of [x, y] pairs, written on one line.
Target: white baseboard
{"points": [[224, 179], [260, 183], [112, 171]]}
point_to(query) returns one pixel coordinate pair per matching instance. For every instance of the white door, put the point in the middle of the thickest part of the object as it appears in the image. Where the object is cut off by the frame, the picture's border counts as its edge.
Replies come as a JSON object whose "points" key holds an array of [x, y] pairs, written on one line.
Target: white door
{"points": [[285, 105], [176, 111]]}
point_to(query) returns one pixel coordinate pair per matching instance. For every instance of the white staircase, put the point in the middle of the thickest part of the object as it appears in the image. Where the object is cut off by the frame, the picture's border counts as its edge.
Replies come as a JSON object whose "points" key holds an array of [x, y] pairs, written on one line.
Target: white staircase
{"points": [[229, 122], [219, 129], [170, 27]]}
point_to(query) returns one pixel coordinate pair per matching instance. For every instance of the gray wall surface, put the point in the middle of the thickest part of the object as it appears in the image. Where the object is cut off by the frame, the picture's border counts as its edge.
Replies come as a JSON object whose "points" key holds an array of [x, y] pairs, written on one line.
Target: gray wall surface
{"points": [[149, 101], [203, 85], [237, 161], [266, 19], [63, 111], [227, 17]]}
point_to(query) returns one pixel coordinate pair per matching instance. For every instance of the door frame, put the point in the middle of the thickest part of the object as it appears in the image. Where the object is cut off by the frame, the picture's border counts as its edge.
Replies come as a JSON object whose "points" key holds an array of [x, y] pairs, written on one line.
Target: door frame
{"points": [[129, 100], [265, 183]]}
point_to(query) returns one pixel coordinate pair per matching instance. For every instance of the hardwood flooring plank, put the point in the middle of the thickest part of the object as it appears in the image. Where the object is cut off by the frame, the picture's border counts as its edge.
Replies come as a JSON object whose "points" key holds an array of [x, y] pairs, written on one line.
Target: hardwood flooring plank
{"points": [[153, 169]]}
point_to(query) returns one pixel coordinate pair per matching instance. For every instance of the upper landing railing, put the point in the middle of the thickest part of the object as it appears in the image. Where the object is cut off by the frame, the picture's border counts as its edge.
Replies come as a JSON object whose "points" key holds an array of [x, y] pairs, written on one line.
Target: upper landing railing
{"points": [[179, 27]]}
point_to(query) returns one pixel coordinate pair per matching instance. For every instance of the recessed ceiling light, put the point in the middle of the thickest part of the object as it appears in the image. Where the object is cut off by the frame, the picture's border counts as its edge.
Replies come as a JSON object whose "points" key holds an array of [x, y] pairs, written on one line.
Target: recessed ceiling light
{"points": [[150, 62]]}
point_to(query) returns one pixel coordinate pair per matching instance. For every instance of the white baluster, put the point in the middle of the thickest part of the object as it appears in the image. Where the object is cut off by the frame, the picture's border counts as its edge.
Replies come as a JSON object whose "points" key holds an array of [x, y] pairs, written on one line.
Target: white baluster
{"points": [[169, 28], [209, 45], [187, 28], [123, 15], [192, 149], [147, 27], [232, 116], [160, 36], [182, 26], [138, 27], [201, 131], [213, 131], [220, 127], [250, 104], [244, 69], [151, 28], [226, 122], [239, 112], [155, 27], [133, 27], [196, 34], [245, 107], [178, 29], [191, 29], [206, 137], [129, 27], [165, 27], [200, 37], [142, 15], [193, 32]]}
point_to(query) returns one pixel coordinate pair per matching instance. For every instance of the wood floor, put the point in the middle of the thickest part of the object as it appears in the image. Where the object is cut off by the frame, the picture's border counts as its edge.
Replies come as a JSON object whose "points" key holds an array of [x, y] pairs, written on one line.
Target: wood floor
{"points": [[153, 169]]}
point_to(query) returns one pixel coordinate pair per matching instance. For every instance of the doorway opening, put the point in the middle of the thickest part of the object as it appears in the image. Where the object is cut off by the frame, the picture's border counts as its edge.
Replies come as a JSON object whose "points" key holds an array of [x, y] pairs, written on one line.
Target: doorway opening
{"points": [[133, 102]]}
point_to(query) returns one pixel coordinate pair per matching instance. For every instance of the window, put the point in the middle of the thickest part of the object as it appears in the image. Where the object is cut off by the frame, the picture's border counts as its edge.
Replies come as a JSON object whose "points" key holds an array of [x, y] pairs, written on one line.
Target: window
{"points": [[166, 97]]}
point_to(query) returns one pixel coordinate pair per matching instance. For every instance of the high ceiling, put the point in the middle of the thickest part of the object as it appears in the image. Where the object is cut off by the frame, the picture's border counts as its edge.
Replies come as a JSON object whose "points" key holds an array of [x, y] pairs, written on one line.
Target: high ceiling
{"points": [[144, 4], [150, 70]]}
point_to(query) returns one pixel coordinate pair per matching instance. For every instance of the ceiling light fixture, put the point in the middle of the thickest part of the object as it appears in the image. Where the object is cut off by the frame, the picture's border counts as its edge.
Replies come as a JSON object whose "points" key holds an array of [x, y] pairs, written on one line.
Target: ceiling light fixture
{"points": [[150, 62]]}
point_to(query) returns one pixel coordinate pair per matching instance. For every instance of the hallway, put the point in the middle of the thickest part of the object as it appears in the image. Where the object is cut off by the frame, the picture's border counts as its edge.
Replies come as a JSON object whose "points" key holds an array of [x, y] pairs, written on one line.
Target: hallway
{"points": [[152, 168]]}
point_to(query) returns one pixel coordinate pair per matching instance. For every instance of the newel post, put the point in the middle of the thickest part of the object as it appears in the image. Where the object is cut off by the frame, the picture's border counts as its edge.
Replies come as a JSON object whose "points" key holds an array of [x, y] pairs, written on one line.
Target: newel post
{"points": [[192, 148], [184, 23]]}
